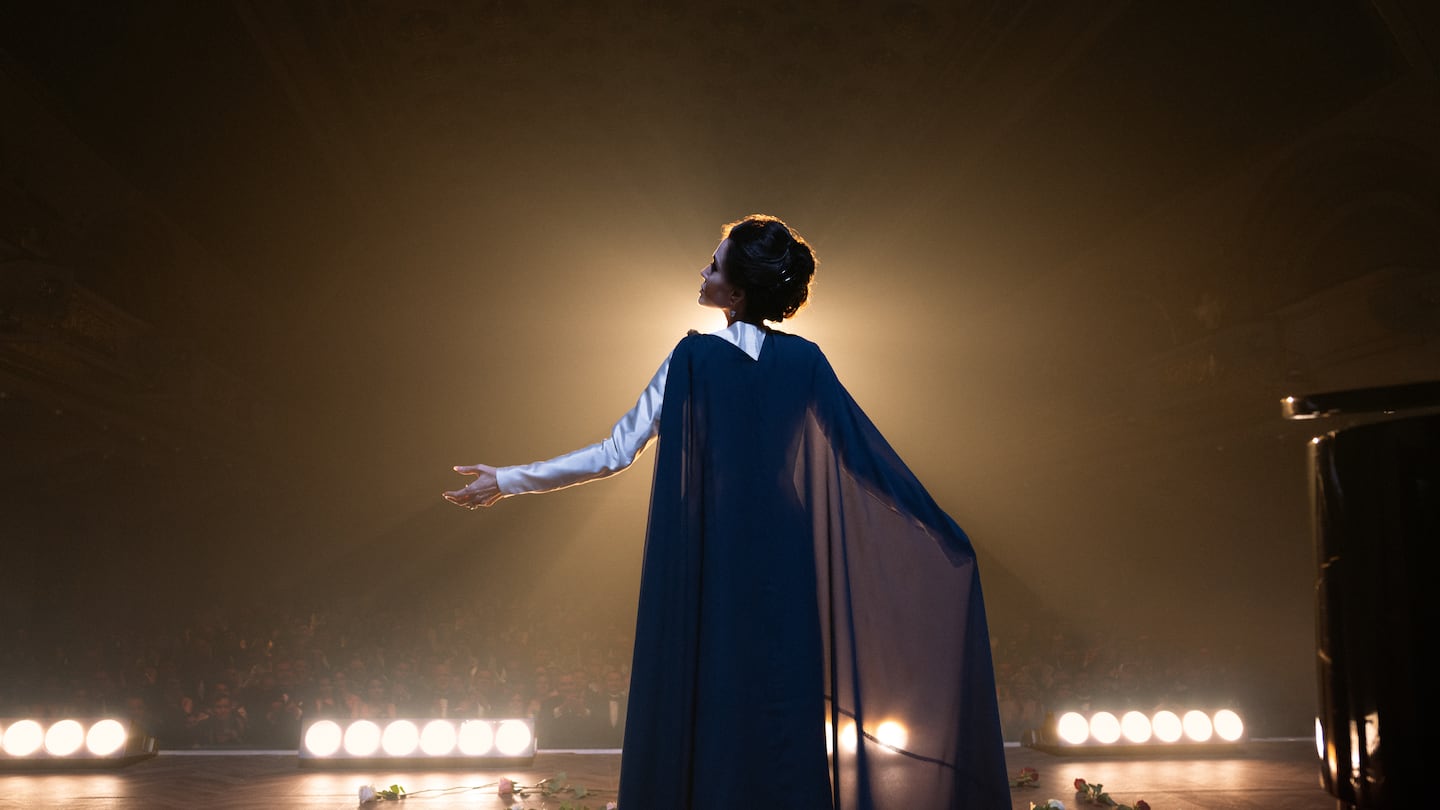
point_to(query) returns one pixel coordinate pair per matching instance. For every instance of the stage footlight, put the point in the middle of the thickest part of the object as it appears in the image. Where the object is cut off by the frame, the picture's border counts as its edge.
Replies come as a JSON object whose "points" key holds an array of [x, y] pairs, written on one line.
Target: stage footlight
{"points": [[105, 738], [438, 738], [400, 739], [71, 743], [892, 735], [23, 738], [322, 739], [1199, 731], [1198, 726], [1072, 728], [1229, 726], [513, 737], [1168, 728], [362, 738], [431, 742], [476, 739], [848, 737], [64, 738], [1136, 727], [1104, 728]]}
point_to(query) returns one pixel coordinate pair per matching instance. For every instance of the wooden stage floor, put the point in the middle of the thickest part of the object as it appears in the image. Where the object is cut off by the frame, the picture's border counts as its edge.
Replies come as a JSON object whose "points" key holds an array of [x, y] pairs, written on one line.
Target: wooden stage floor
{"points": [[1269, 774]]}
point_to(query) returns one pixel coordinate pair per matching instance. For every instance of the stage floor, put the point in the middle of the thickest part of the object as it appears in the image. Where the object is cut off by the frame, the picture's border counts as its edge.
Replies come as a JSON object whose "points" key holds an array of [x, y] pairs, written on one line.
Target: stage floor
{"points": [[1270, 774]]}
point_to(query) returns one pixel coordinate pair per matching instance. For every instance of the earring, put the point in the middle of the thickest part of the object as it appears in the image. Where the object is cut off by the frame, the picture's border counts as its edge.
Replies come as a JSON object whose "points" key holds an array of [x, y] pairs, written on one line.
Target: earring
{"points": [[732, 314]]}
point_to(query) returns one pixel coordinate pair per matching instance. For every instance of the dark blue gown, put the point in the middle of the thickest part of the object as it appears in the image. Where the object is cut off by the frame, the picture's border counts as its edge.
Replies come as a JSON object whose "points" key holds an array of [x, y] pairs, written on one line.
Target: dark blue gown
{"points": [[799, 584]]}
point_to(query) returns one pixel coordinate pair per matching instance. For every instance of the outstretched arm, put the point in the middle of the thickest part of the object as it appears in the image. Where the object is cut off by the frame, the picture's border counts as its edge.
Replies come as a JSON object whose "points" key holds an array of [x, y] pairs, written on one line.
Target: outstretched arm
{"points": [[617, 452]]}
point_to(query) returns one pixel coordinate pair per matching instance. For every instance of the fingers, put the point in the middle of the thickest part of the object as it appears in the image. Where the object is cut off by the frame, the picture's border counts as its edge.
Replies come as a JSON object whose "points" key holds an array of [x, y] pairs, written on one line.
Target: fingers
{"points": [[472, 499], [468, 469], [459, 498]]}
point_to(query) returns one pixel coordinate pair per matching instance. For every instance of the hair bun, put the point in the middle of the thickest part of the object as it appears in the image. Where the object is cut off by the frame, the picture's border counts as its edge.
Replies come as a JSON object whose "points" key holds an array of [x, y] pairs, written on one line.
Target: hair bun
{"points": [[772, 264]]}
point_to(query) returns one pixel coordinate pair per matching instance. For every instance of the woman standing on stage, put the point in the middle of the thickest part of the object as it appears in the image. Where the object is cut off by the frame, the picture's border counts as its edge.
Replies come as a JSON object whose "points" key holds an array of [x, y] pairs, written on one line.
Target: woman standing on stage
{"points": [[811, 631]]}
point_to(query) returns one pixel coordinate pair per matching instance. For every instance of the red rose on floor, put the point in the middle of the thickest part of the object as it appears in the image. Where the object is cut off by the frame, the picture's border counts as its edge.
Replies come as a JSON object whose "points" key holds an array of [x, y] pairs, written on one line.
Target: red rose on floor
{"points": [[1142, 805], [1080, 786], [505, 788]]}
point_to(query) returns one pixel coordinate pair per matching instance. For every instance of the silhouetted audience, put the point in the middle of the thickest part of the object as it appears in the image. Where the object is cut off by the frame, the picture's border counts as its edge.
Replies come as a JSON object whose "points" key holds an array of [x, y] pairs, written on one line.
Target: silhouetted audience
{"points": [[253, 678]]}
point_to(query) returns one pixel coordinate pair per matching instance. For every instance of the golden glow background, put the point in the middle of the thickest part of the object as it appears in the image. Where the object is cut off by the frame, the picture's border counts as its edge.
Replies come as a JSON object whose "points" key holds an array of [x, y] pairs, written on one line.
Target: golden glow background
{"points": [[1068, 258]]}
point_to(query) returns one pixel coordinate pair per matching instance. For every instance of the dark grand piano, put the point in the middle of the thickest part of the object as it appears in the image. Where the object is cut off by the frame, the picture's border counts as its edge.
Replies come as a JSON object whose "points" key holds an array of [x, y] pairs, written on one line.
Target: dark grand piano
{"points": [[1375, 470]]}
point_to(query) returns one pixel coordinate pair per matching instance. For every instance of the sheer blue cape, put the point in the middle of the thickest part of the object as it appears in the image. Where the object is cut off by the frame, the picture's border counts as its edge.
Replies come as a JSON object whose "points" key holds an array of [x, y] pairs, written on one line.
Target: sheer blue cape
{"points": [[811, 631]]}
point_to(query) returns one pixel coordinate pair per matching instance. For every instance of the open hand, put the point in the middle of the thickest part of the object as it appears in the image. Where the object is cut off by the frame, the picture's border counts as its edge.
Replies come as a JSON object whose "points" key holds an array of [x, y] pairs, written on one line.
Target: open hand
{"points": [[483, 491]]}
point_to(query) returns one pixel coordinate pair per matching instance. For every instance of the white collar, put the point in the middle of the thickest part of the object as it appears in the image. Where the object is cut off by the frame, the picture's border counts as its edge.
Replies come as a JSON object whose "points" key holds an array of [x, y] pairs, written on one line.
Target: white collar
{"points": [[747, 337]]}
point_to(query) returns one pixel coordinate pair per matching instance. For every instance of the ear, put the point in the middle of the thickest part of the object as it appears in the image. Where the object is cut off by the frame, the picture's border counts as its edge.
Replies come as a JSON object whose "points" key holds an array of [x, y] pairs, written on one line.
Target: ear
{"points": [[737, 297]]}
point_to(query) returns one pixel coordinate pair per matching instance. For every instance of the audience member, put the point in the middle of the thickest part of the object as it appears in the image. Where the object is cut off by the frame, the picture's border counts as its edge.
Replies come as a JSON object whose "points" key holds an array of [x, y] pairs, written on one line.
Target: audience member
{"points": [[612, 704]]}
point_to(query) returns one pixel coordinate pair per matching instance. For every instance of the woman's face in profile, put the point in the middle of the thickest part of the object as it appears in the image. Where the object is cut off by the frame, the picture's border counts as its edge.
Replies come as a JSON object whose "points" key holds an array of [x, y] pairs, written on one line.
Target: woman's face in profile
{"points": [[716, 291]]}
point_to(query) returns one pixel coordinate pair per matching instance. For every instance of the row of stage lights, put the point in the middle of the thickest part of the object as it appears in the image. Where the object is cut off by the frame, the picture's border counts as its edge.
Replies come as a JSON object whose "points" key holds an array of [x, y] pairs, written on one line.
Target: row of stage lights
{"points": [[1074, 731], [110, 742], [72, 743], [891, 736], [328, 740], [434, 740]]}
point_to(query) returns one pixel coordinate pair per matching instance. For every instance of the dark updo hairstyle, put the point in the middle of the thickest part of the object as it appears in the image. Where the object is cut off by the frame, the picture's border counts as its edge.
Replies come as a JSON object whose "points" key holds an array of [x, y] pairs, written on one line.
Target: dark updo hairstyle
{"points": [[771, 263]]}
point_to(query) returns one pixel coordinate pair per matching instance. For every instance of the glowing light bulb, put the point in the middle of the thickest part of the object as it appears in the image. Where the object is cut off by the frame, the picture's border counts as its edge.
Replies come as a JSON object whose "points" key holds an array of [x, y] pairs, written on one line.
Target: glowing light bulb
{"points": [[323, 738], [1072, 728], [476, 738], [23, 738], [438, 738], [1167, 726], [1104, 727], [1197, 726], [105, 738], [892, 735], [1136, 727], [512, 738], [1228, 725], [362, 738], [64, 738], [401, 738]]}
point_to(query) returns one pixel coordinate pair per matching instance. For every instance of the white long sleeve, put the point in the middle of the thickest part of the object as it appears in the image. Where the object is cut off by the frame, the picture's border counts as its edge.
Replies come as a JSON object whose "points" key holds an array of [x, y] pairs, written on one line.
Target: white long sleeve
{"points": [[602, 459], [628, 438]]}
